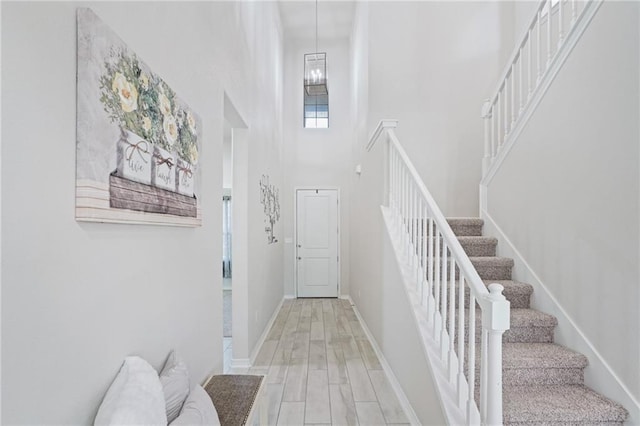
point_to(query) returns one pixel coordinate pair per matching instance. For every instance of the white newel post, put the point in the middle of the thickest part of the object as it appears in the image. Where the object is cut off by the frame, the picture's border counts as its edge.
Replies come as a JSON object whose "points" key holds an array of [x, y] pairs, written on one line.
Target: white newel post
{"points": [[495, 321], [486, 115]]}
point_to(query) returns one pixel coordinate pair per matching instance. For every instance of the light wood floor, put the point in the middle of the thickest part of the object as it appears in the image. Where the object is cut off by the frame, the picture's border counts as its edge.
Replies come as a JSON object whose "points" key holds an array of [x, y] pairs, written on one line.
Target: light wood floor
{"points": [[322, 369]]}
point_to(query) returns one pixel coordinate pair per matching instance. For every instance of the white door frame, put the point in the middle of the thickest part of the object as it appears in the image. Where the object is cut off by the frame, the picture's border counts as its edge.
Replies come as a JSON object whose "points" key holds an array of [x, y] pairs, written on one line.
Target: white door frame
{"points": [[295, 231]]}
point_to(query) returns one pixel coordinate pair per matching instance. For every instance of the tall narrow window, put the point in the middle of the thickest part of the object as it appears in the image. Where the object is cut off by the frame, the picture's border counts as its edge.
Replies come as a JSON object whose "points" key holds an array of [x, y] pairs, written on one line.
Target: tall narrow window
{"points": [[316, 92], [316, 111]]}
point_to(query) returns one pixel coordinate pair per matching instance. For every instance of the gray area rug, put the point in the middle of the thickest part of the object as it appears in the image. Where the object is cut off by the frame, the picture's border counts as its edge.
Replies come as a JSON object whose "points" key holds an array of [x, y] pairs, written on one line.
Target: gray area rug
{"points": [[226, 313]]}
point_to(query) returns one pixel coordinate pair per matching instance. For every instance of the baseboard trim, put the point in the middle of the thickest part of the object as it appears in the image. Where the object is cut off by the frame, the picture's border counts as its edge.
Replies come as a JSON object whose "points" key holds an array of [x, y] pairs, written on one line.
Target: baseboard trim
{"points": [[598, 375], [393, 381], [265, 333], [240, 363]]}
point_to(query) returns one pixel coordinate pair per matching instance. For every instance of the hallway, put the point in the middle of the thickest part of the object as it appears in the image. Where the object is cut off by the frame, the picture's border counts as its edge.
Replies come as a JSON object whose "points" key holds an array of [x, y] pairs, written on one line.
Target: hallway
{"points": [[322, 369]]}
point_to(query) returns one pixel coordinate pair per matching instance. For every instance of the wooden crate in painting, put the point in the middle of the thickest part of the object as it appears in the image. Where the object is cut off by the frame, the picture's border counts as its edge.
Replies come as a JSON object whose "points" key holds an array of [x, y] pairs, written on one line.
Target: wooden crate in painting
{"points": [[127, 194]]}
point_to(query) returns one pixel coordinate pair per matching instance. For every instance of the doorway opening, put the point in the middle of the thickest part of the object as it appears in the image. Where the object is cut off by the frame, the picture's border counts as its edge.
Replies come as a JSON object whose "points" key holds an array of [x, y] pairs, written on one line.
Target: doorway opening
{"points": [[227, 238], [234, 239]]}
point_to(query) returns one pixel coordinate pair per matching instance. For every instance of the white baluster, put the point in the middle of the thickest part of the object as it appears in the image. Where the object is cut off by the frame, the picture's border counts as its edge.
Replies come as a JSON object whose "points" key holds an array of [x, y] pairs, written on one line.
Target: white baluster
{"points": [[484, 363], [506, 109], [521, 59], [425, 236], [462, 397], [419, 272], [549, 8], [486, 115], [539, 47], [560, 25], [436, 287], [494, 134], [574, 12], [499, 124], [410, 222], [529, 43], [513, 96], [443, 304], [431, 262], [452, 320], [495, 320], [471, 364], [415, 224]]}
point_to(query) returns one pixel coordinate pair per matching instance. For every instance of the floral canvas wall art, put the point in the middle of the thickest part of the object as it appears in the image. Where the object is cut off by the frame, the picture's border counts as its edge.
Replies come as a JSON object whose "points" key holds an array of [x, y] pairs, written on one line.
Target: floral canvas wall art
{"points": [[137, 141]]}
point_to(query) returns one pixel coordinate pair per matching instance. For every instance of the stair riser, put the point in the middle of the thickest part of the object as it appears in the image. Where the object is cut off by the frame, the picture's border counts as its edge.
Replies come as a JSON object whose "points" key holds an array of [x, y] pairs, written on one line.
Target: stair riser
{"points": [[485, 271], [517, 300], [543, 376], [537, 376], [515, 334], [491, 272], [483, 248], [463, 230]]}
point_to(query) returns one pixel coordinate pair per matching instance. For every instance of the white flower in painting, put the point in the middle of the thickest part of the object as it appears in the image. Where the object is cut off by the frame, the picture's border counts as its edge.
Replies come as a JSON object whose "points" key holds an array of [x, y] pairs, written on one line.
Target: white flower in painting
{"points": [[146, 123], [193, 154], [170, 129], [127, 92], [165, 104], [144, 81], [191, 122]]}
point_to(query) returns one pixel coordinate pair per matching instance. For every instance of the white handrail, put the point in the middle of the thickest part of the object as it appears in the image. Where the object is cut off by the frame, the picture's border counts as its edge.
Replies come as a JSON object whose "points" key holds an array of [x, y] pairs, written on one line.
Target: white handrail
{"points": [[382, 125], [437, 260], [469, 271], [543, 48]]}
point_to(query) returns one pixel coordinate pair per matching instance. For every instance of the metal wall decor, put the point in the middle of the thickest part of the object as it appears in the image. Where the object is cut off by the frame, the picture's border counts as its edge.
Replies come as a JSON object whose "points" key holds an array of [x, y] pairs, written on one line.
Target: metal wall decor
{"points": [[270, 200]]}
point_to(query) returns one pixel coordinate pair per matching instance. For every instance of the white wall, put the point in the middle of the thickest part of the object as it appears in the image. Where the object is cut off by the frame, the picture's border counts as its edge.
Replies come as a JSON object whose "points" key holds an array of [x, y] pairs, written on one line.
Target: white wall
{"points": [[567, 198], [431, 64], [227, 159], [79, 297], [317, 157]]}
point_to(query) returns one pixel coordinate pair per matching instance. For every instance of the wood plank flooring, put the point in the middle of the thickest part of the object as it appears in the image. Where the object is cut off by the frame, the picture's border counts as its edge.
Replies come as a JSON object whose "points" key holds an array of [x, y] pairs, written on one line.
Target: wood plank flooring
{"points": [[321, 369]]}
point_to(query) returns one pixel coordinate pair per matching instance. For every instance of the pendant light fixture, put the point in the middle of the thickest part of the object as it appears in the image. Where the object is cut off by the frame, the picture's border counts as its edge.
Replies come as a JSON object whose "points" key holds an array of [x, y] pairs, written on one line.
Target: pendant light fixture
{"points": [[315, 69]]}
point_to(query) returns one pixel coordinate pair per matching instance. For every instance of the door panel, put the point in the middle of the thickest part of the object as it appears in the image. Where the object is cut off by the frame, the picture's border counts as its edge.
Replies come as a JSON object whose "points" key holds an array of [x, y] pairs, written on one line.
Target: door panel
{"points": [[317, 243]]}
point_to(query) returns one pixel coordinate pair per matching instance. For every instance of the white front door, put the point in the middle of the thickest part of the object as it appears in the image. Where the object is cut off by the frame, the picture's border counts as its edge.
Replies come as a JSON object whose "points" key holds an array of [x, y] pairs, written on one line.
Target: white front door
{"points": [[317, 242]]}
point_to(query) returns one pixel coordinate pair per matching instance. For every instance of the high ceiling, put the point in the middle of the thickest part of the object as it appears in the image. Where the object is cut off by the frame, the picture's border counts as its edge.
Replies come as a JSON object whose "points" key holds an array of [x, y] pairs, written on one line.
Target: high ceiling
{"points": [[335, 18]]}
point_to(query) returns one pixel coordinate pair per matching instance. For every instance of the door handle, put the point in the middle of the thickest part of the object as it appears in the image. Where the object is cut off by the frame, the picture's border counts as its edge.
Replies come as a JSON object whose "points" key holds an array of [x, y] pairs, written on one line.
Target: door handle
{"points": [[299, 258], [299, 245]]}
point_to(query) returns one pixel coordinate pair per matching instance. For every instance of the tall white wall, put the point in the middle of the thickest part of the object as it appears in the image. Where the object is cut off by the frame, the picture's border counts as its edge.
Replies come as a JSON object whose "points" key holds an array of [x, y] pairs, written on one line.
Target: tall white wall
{"points": [[79, 297], [568, 196], [430, 65], [317, 157]]}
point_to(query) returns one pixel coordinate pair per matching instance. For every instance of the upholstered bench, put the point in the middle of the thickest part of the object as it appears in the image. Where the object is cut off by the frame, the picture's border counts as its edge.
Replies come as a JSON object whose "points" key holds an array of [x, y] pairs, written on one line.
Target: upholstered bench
{"points": [[236, 398], [141, 395]]}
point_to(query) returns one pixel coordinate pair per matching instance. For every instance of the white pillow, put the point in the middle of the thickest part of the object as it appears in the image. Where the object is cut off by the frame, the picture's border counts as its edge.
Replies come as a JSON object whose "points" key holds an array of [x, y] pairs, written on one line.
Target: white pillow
{"points": [[198, 409], [175, 384], [134, 398]]}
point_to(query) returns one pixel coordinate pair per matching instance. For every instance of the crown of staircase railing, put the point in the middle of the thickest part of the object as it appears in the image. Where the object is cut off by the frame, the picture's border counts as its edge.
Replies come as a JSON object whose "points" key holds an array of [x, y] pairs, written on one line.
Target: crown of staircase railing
{"points": [[446, 282], [544, 47]]}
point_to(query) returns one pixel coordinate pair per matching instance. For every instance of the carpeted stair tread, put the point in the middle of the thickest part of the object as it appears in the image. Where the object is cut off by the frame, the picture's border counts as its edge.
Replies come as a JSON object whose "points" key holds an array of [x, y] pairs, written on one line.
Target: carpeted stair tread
{"points": [[493, 268], [518, 294], [525, 364], [527, 326], [478, 246], [541, 355], [558, 405], [466, 226]]}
